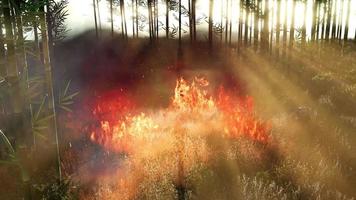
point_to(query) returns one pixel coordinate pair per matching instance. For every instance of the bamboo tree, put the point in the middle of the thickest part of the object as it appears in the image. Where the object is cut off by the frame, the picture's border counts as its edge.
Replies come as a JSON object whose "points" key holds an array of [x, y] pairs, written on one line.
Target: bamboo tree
{"points": [[111, 18], [255, 24], [99, 19], [211, 4], [136, 10], [339, 27], [95, 20], [329, 21], [194, 20], [2, 47], [167, 18], [265, 31], [149, 9], [12, 70], [230, 23], [247, 5], [180, 23], [240, 26], [314, 20], [49, 84], [291, 38], [304, 28], [284, 53], [190, 21], [323, 21], [318, 20], [346, 31], [334, 22], [278, 26]]}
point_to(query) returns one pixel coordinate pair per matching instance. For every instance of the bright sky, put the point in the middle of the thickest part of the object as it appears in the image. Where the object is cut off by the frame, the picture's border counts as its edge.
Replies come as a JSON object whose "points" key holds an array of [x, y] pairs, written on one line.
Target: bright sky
{"points": [[81, 15]]}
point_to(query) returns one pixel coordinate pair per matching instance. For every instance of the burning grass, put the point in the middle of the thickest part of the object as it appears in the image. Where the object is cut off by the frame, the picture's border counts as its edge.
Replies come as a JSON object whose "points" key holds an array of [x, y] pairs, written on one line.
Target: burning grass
{"points": [[166, 145]]}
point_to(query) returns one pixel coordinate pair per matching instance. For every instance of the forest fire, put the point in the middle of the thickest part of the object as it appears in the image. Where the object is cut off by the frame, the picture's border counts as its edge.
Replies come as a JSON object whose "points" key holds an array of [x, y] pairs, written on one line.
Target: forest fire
{"points": [[193, 110]]}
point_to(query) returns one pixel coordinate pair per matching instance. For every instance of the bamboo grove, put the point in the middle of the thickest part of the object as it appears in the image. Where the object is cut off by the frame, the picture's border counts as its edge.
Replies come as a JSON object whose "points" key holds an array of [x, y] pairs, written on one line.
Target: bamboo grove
{"points": [[27, 101], [259, 23]]}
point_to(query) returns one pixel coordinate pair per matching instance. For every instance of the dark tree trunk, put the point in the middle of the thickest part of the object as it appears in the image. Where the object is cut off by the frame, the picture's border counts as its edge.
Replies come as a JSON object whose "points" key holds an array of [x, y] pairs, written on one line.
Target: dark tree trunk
{"points": [[329, 21], [285, 31], [99, 19], [346, 32], [265, 31], [314, 21], [247, 5], [211, 4], [304, 28], [291, 38], [339, 27], [167, 18], [136, 10], [230, 23], [278, 26], [123, 19], [334, 22], [180, 24], [95, 20], [317, 26], [111, 19], [194, 20], [255, 23], [133, 17]]}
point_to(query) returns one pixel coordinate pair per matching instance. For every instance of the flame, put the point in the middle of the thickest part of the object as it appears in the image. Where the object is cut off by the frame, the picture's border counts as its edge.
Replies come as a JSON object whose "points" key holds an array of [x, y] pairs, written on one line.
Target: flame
{"points": [[192, 108]]}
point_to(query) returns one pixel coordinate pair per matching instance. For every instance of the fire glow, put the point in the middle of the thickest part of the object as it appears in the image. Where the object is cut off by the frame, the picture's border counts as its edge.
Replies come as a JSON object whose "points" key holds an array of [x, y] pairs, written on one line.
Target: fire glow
{"points": [[193, 111]]}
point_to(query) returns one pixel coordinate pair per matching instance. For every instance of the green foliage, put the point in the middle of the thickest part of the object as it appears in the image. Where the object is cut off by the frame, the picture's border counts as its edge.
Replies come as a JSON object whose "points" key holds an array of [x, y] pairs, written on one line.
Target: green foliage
{"points": [[65, 99], [13, 159]]}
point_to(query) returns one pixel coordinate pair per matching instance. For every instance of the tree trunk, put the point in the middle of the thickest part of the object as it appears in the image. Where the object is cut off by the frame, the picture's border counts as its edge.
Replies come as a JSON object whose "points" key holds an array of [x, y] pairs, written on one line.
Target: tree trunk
{"points": [[211, 4], [314, 21], [265, 32], [111, 19], [291, 38], [246, 22], [346, 32], [339, 27], [255, 24], [180, 23], [230, 24], [136, 10], [329, 21], [12, 70], [2, 48], [95, 20], [133, 17], [49, 84], [99, 19], [167, 18], [333, 32], [194, 20], [278, 26], [304, 28], [284, 53], [323, 22], [190, 20]]}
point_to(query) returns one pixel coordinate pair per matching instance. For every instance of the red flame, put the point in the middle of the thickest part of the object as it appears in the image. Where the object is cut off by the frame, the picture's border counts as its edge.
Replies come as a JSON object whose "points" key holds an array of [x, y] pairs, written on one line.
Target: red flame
{"points": [[122, 127]]}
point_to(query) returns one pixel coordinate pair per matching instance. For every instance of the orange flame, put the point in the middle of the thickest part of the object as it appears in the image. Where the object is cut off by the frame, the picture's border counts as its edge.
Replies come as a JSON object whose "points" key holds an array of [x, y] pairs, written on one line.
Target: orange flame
{"points": [[191, 107]]}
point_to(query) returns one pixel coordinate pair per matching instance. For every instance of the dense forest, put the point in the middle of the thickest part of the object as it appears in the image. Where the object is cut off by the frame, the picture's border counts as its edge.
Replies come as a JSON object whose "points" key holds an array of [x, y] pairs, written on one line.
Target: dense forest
{"points": [[255, 99]]}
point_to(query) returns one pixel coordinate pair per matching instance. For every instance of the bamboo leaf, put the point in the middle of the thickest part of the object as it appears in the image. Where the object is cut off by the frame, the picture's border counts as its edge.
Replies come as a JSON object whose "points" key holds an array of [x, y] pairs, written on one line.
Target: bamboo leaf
{"points": [[65, 108], [40, 108], [7, 143]]}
